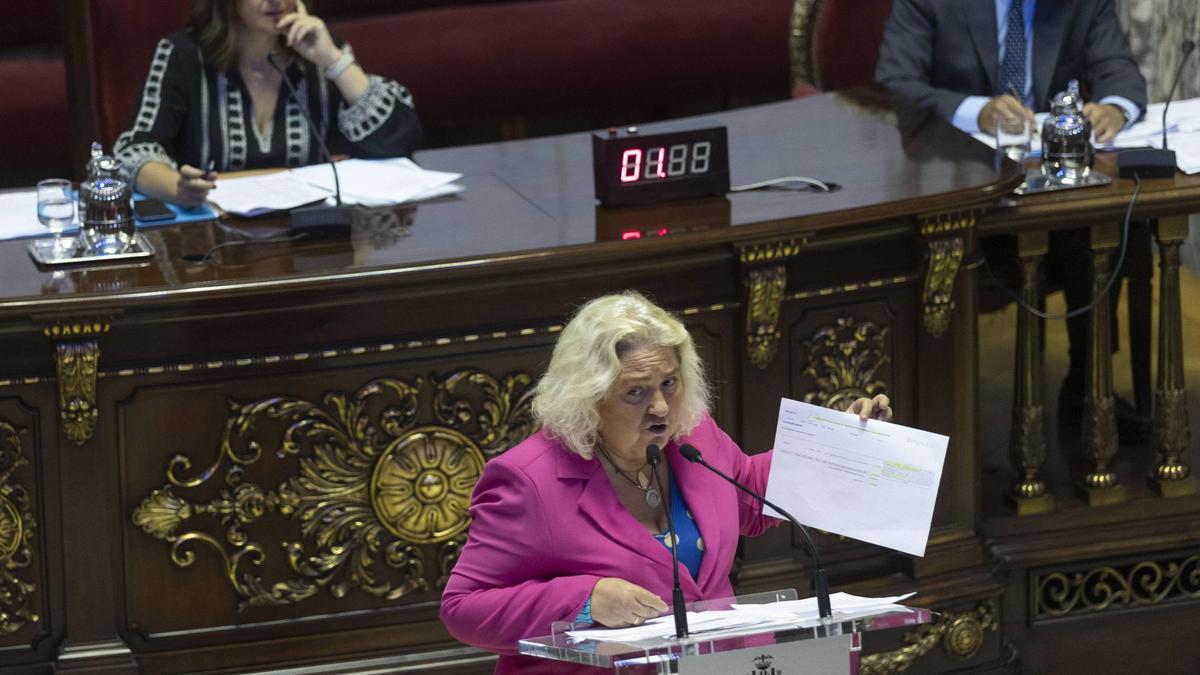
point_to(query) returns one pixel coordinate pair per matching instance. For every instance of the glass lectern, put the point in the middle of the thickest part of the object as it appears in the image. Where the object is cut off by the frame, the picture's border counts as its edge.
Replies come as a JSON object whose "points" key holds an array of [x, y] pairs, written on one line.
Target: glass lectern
{"points": [[831, 646]]}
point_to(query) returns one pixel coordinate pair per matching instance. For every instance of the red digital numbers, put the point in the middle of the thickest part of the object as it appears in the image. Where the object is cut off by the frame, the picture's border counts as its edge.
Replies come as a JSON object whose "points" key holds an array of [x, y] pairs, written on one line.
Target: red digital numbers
{"points": [[662, 162], [631, 165]]}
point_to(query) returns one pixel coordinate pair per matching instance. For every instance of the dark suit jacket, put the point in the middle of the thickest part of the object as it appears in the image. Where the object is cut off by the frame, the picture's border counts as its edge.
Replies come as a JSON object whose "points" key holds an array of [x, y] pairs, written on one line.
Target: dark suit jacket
{"points": [[938, 52]]}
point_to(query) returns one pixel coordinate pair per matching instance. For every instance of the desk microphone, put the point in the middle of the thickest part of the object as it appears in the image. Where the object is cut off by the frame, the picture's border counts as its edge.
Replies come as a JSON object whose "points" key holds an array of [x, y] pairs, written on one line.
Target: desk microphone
{"points": [[1155, 162], [820, 580], [316, 222], [653, 457]]}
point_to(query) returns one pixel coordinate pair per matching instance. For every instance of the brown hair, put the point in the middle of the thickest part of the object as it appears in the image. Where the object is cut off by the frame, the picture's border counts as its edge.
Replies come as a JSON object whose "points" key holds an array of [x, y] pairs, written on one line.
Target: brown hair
{"points": [[214, 24]]}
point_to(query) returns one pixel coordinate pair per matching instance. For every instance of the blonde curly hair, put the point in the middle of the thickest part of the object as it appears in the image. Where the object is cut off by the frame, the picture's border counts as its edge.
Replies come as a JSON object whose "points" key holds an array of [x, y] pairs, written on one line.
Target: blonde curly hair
{"points": [[587, 362]]}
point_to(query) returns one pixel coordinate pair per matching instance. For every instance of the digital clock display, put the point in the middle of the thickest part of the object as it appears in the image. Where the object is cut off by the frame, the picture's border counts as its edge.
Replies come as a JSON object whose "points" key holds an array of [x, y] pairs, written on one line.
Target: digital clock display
{"points": [[632, 168]]}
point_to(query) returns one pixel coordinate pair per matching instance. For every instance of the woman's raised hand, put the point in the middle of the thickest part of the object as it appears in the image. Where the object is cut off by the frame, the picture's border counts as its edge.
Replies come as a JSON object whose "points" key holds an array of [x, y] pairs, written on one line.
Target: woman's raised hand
{"points": [[616, 602], [878, 408], [308, 36]]}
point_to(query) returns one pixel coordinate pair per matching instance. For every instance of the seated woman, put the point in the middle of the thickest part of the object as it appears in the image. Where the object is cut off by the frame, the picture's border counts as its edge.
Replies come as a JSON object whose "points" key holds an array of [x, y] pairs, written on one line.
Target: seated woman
{"points": [[214, 101], [567, 525]]}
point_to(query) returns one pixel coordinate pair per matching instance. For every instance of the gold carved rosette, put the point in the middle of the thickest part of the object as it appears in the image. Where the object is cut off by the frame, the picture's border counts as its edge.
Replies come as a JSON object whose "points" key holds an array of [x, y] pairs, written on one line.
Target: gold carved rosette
{"points": [[376, 491], [961, 634], [17, 527], [846, 361]]}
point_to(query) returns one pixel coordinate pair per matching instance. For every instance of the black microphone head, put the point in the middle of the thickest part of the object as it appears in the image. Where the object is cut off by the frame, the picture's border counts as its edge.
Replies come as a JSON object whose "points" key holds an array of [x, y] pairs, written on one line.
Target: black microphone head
{"points": [[690, 453], [653, 454]]}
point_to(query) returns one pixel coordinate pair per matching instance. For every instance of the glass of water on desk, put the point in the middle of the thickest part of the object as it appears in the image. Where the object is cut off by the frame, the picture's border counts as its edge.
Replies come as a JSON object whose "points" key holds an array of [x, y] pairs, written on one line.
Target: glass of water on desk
{"points": [[1014, 136], [56, 211]]}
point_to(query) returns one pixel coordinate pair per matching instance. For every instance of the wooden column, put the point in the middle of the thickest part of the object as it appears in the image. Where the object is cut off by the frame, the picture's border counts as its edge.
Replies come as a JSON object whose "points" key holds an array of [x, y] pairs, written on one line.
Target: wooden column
{"points": [[1171, 476], [1027, 441], [1100, 485]]}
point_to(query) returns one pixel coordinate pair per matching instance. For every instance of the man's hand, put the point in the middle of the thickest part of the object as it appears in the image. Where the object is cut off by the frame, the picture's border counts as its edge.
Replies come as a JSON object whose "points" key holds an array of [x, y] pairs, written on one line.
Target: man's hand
{"points": [[1002, 106], [1107, 119], [616, 602]]}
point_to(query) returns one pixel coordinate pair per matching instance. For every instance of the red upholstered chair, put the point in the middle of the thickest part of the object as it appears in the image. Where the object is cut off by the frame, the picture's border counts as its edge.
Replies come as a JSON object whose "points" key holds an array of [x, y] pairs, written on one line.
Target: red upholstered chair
{"points": [[486, 62], [835, 43], [34, 138]]}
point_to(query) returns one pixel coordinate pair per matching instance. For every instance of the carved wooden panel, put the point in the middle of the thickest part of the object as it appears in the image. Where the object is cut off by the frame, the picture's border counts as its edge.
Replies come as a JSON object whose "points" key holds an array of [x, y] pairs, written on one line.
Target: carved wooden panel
{"points": [[23, 591], [309, 493]]}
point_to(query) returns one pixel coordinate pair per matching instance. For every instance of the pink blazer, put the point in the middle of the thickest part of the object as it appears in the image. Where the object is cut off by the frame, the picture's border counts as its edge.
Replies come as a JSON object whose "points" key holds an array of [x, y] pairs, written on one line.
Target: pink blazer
{"points": [[546, 526]]}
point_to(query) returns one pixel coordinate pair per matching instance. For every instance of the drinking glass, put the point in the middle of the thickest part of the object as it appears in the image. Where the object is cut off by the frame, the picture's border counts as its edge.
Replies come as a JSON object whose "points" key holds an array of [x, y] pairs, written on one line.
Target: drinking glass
{"points": [[1013, 137], [56, 210]]}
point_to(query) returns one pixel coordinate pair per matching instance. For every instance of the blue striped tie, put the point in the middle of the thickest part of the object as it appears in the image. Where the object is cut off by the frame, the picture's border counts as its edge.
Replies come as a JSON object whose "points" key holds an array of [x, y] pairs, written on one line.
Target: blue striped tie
{"points": [[1012, 69]]}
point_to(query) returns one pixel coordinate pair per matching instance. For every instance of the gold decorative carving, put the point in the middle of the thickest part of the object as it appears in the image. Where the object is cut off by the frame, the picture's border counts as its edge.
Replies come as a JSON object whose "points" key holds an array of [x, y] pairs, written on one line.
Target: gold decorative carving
{"points": [[369, 489], [1116, 587], [961, 635], [421, 486], [762, 318], [76, 366], [77, 357], [944, 223], [845, 361], [17, 527], [772, 251], [447, 556], [945, 257]]}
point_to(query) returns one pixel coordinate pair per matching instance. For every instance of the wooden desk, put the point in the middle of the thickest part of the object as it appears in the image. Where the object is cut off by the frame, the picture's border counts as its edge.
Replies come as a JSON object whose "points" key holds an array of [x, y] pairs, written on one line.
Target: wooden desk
{"points": [[253, 461]]}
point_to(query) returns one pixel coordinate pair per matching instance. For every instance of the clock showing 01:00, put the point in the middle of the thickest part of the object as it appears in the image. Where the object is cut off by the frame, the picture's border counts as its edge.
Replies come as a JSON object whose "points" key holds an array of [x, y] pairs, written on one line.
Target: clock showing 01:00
{"points": [[632, 168]]}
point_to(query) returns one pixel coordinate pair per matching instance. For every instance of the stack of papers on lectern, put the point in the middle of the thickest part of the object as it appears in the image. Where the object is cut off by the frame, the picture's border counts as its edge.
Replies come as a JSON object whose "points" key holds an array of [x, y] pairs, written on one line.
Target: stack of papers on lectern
{"points": [[754, 618], [381, 182]]}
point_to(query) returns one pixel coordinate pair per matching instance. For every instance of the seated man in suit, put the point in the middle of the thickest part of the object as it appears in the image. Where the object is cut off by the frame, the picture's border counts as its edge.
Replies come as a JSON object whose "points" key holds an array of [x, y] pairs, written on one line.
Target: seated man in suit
{"points": [[975, 61]]}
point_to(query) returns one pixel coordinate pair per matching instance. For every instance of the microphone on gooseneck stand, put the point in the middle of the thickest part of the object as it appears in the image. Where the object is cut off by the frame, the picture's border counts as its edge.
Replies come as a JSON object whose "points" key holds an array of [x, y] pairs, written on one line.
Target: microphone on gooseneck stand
{"points": [[653, 457], [316, 222], [820, 580], [1155, 162], [1187, 49]]}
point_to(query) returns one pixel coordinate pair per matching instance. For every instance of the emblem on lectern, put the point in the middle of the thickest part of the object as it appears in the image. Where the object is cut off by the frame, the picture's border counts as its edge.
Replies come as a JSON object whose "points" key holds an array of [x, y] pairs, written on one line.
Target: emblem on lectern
{"points": [[762, 666]]}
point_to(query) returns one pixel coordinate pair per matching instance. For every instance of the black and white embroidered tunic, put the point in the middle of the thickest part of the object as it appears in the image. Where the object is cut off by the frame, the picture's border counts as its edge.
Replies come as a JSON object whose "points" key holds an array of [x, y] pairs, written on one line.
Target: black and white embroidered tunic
{"points": [[190, 114]]}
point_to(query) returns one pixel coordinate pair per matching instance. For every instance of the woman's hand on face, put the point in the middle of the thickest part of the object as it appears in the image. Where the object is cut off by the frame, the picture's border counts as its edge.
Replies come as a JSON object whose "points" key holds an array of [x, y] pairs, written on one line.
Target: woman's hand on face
{"points": [[878, 408], [193, 186], [616, 602], [308, 36]]}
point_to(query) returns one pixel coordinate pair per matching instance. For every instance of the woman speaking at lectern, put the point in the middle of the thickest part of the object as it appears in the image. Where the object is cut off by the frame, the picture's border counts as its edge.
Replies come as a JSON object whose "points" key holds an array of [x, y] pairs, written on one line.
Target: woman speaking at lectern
{"points": [[215, 100], [568, 524]]}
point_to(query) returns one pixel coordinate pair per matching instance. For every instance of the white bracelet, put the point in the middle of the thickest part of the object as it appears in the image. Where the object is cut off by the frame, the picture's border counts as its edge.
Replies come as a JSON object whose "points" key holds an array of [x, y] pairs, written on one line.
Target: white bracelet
{"points": [[335, 71]]}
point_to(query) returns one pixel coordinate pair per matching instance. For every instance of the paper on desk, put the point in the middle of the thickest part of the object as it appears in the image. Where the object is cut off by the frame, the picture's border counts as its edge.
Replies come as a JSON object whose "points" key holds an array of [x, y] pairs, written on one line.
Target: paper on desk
{"points": [[1183, 119], [255, 195], [743, 618], [18, 215], [380, 182], [872, 481]]}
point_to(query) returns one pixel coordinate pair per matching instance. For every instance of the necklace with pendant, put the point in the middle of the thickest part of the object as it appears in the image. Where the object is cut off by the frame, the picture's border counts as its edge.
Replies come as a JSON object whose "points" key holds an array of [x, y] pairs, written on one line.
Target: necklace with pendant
{"points": [[642, 482]]}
